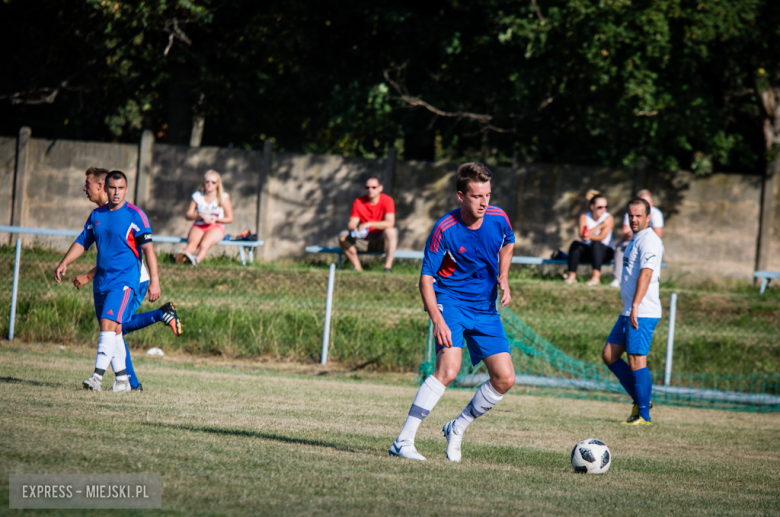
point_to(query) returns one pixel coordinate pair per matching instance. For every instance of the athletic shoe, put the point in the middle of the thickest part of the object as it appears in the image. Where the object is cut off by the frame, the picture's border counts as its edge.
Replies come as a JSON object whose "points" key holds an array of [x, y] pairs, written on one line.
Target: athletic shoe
{"points": [[405, 450], [615, 283], [93, 383], [454, 436], [180, 258], [171, 318], [191, 258], [635, 410], [636, 420], [140, 387], [120, 386]]}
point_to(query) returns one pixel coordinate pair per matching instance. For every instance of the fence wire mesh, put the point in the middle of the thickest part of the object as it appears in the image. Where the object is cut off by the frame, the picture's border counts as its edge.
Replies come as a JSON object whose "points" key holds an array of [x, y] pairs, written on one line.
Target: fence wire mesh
{"points": [[725, 340]]}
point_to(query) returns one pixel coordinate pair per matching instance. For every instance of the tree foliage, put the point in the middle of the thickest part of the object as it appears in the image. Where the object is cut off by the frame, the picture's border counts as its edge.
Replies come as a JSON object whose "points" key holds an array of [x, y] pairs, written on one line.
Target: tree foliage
{"points": [[683, 83]]}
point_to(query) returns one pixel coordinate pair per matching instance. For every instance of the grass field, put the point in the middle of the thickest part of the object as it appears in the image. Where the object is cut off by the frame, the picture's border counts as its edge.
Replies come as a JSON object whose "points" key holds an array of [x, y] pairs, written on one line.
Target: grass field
{"points": [[236, 438]]}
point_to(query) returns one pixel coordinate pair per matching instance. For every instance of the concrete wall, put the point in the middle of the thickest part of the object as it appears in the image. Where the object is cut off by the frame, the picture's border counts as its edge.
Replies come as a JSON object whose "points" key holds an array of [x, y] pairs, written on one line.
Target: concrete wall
{"points": [[711, 223], [7, 165]]}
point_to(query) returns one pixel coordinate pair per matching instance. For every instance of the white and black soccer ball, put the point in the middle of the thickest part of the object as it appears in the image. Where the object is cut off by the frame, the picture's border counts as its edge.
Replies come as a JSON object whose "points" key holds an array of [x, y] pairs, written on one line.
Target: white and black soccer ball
{"points": [[591, 456]]}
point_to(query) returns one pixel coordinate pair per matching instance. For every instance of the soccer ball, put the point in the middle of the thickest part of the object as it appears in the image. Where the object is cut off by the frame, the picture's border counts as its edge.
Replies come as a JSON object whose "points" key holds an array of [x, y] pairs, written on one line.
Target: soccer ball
{"points": [[591, 456]]}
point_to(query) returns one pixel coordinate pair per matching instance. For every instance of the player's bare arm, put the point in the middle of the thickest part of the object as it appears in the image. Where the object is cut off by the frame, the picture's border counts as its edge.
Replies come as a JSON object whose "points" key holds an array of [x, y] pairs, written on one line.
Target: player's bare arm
{"points": [[154, 279], [74, 252], [81, 280], [659, 232], [504, 261], [384, 224], [441, 332], [641, 290]]}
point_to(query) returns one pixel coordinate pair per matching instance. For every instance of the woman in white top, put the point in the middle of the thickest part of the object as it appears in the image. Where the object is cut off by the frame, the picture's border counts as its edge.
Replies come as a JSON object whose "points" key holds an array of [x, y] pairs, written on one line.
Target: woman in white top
{"points": [[595, 244], [211, 210]]}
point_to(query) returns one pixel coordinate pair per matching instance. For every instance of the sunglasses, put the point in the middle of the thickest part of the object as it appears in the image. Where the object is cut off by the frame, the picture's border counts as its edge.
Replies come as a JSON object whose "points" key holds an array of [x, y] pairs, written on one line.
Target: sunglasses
{"points": [[210, 181], [371, 188], [602, 206]]}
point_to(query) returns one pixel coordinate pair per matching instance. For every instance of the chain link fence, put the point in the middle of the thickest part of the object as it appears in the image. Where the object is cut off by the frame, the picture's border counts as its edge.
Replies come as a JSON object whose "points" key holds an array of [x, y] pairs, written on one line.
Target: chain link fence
{"points": [[278, 312]]}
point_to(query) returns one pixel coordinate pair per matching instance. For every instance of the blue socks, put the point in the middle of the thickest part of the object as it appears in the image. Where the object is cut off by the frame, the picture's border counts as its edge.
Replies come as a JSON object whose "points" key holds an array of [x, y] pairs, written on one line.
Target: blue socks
{"points": [[129, 366], [143, 320], [644, 387], [626, 377]]}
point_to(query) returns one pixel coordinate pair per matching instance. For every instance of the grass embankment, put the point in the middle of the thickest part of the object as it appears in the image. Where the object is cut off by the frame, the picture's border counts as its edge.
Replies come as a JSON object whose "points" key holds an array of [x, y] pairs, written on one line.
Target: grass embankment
{"points": [[253, 443], [277, 311]]}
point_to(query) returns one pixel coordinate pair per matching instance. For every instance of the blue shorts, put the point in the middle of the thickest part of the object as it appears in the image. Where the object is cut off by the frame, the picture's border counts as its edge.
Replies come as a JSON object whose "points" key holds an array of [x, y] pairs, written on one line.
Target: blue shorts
{"points": [[483, 331], [636, 341], [115, 304], [138, 299]]}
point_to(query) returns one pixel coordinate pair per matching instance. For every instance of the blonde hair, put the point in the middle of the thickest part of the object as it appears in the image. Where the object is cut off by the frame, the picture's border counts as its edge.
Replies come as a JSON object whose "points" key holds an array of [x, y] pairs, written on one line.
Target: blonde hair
{"points": [[592, 194], [219, 185]]}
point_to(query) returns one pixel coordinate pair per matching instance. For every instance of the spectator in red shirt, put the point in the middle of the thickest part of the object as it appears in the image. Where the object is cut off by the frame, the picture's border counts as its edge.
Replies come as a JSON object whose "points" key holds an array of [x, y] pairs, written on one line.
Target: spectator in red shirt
{"points": [[371, 226]]}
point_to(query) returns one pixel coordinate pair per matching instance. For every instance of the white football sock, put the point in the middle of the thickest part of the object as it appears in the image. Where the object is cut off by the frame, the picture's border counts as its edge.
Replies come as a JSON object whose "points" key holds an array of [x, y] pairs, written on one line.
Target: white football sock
{"points": [[119, 355], [484, 399], [97, 376], [427, 397], [105, 350]]}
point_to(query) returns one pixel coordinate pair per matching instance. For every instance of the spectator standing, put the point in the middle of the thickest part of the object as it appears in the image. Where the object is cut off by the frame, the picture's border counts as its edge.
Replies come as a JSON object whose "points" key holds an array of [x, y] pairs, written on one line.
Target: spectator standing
{"points": [[595, 244], [371, 226], [656, 223], [211, 210]]}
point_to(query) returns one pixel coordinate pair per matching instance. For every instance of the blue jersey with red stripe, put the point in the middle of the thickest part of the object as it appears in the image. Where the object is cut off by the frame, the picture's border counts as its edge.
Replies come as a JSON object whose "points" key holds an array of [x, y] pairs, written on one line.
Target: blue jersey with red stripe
{"points": [[116, 233], [464, 262]]}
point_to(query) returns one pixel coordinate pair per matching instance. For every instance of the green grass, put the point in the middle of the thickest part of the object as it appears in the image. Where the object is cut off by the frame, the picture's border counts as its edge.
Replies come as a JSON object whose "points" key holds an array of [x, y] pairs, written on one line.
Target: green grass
{"points": [[276, 311], [245, 442]]}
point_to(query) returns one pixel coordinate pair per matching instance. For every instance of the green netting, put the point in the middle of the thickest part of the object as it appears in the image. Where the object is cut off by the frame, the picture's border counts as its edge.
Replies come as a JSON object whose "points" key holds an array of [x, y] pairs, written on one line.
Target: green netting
{"points": [[542, 369]]}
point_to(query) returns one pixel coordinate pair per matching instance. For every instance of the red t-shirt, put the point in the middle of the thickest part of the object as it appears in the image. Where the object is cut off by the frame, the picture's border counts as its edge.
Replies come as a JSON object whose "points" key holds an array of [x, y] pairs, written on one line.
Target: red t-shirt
{"points": [[367, 212]]}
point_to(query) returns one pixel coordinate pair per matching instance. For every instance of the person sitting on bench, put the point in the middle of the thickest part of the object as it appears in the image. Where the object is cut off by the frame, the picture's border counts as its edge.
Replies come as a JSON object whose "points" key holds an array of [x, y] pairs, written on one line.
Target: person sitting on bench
{"points": [[371, 226], [595, 244]]}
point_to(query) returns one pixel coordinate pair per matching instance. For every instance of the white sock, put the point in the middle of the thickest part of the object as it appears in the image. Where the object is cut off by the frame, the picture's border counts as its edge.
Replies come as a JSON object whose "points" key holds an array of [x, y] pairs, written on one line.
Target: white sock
{"points": [[427, 397], [105, 350], [119, 355], [121, 378], [484, 399]]}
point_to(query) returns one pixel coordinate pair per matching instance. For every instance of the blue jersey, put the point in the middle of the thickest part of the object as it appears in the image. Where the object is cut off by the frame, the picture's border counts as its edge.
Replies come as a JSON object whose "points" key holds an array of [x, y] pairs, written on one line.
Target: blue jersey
{"points": [[464, 262], [118, 235]]}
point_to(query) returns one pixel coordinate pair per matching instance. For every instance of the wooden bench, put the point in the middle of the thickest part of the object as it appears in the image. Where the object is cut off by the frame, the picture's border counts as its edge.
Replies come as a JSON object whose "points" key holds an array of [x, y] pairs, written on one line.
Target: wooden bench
{"points": [[407, 254], [765, 277]]}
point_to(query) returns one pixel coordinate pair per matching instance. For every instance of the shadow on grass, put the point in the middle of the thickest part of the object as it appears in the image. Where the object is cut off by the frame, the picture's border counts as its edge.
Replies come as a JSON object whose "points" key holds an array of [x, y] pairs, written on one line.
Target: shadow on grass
{"points": [[14, 380], [267, 436]]}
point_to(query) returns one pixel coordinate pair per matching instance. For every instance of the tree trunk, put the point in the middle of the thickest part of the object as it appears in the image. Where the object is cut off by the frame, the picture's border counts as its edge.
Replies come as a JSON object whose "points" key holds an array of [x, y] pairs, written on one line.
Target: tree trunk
{"points": [[770, 98]]}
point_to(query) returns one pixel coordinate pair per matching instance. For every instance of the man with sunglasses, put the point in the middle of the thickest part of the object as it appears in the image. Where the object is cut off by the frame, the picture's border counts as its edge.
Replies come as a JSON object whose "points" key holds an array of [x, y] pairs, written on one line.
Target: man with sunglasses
{"points": [[371, 226]]}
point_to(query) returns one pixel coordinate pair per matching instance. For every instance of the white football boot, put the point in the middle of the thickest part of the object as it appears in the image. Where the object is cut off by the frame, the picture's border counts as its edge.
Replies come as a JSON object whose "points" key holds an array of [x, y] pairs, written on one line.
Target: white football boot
{"points": [[93, 383], [120, 386], [405, 450], [454, 437]]}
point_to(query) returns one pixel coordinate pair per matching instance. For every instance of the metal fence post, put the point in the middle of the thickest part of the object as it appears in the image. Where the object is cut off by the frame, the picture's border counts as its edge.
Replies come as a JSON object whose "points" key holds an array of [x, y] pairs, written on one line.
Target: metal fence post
{"points": [[670, 340], [429, 343], [328, 313], [15, 291]]}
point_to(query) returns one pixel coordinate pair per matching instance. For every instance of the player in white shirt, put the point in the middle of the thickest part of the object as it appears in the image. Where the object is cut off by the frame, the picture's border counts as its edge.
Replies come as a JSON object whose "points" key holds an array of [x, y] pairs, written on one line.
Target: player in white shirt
{"points": [[656, 223], [633, 332]]}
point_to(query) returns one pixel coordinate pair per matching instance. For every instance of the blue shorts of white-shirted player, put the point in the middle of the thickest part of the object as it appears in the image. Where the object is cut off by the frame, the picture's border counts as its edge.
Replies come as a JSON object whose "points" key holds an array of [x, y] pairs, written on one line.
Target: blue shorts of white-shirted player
{"points": [[636, 341], [483, 331]]}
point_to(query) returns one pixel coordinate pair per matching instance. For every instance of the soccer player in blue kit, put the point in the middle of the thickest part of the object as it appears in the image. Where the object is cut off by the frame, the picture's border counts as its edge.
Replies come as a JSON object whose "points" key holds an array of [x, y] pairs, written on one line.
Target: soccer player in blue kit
{"points": [[121, 231], [94, 187], [467, 257]]}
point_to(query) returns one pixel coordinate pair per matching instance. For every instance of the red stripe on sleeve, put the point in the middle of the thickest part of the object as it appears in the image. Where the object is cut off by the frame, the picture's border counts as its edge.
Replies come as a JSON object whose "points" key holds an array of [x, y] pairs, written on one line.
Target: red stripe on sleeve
{"points": [[141, 212]]}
